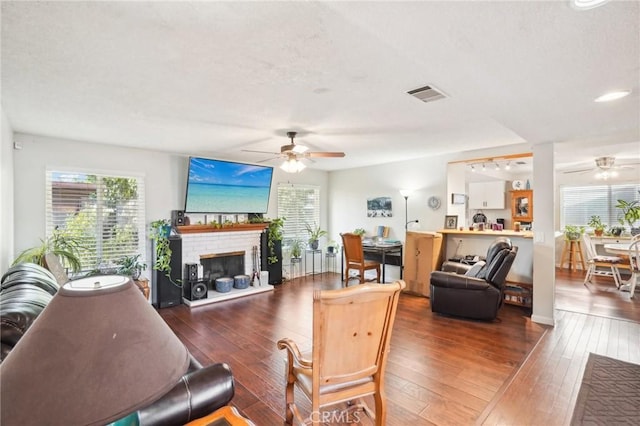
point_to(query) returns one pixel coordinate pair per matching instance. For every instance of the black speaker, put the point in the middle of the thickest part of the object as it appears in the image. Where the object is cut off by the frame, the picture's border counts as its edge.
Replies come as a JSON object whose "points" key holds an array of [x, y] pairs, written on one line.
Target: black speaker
{"points": [[190, 272], [168, 292], [177, 217], [195, 290]]}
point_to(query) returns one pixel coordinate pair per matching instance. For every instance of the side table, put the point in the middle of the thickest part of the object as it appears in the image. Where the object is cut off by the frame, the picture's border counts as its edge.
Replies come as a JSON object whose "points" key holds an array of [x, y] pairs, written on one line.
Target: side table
{"points": [[143, 285], [313, 254], [225, 416]]}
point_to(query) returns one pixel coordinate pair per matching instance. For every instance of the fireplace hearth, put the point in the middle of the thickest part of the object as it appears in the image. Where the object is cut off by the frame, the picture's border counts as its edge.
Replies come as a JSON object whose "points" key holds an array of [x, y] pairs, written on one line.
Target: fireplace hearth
{"points": [[217, 265]]}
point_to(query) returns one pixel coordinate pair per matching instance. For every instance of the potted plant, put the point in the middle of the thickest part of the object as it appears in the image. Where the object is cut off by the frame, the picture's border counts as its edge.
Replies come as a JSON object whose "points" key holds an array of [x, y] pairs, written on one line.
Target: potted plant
{"points": [[573, 232], [64, 246], [360, 231], [130, 266], [160, 231], [314, 235], [616, 231], [296, 250], [332, 246], [596, 223], [274, 236], [630, 214]]}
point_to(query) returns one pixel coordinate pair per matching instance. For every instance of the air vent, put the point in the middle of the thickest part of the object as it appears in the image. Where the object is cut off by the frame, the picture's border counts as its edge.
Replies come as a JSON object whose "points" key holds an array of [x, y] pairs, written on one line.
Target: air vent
{"points": [[427, 94]]}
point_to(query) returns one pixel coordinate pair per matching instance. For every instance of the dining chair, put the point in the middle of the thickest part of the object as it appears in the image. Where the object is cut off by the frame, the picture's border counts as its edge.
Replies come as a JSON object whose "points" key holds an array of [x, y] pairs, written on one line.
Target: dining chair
{"points": [[351, 333], [354, 257], [595, 261], [634, 262]]}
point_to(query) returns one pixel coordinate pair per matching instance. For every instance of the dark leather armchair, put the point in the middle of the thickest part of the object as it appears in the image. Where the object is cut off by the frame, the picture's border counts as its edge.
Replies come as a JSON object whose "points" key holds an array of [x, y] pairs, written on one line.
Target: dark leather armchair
{"points": [[26, 289], [473, 291]]}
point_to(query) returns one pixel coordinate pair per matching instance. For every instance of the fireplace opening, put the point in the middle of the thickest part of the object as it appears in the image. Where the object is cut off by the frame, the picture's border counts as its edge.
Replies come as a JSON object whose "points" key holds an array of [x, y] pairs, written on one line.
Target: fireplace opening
{"points": [[216, 265]]}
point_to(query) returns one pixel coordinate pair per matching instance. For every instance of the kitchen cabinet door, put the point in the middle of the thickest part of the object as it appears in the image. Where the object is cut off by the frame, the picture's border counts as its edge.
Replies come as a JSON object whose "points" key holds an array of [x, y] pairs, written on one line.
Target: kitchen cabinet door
{"points": [[487, 195]]}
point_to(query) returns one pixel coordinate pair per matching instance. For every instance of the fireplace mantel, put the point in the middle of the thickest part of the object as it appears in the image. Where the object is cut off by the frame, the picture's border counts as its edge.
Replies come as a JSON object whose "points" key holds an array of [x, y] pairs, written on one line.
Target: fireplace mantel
{"points": [[236, 227]]}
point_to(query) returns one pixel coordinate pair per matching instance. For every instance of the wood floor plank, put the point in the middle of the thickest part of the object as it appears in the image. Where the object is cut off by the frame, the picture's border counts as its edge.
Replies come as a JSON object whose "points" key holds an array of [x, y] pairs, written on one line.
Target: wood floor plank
{"points": [[441, 370]]}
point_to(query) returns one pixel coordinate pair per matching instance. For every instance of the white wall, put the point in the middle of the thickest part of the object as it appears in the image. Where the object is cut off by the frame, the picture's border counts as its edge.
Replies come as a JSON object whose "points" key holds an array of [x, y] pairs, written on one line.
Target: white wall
{"points": [[165, 179], [6, 194]]}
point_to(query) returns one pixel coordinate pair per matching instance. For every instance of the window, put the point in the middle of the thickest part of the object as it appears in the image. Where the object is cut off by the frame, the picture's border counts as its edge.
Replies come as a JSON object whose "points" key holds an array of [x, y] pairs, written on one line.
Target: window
{"points": [[104, 213], [299, 204], [579, 203]]}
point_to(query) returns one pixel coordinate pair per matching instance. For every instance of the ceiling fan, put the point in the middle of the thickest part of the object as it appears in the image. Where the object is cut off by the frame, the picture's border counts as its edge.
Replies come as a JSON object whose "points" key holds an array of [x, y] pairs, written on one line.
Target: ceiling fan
{"points": [[293, 150], [293, 153], [605, 166]]}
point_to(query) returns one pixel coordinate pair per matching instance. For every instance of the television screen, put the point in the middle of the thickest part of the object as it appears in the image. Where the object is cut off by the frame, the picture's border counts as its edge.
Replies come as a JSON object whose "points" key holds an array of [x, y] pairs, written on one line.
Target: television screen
{"points": [[216, 186]]}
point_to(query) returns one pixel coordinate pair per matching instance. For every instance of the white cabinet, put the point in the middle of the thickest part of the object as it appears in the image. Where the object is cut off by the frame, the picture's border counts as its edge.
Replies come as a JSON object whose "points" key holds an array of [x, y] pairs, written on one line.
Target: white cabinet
{"points": [[487, 195]]}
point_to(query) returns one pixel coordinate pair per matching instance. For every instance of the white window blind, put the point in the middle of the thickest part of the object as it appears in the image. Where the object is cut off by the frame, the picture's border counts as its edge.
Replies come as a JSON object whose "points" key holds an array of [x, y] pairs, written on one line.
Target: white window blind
{"points": [[104, 213], [299, 205], [579, 203]]}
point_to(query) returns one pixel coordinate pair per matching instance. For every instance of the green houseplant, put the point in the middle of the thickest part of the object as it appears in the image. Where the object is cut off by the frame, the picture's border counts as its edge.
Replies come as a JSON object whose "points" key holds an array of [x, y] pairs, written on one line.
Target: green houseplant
{"points": [[64, 246], [274, 235], [296, 249], [596, 223], [630, 214], [130, 266], [314, 235], [160, 231], [573, 232], [360, 231]]}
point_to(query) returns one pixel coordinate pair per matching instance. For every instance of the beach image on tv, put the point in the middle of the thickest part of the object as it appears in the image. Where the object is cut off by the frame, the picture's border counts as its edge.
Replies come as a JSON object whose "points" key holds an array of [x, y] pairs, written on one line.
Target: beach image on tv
{"points": [[216, 186]]}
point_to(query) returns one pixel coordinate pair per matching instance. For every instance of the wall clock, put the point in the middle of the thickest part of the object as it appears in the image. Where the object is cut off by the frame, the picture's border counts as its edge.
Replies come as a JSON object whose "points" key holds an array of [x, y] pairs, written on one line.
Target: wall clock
{"points": [[434, 202]]}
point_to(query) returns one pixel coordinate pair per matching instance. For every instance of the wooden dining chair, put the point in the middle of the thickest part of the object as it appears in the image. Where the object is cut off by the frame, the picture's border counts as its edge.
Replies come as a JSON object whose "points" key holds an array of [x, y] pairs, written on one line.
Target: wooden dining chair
{"points": [[634, 262], [354, 257], [595, 261], [351, 333]]}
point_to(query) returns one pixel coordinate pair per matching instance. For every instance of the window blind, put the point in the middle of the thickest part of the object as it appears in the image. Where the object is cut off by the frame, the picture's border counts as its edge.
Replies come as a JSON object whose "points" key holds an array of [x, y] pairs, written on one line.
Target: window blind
{"points": [[579, 203], [300, 205], [105, 214]]}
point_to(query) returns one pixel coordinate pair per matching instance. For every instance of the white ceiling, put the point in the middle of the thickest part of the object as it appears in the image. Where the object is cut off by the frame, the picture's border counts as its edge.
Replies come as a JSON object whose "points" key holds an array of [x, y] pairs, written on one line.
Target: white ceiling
{"points": [[216, 78]]}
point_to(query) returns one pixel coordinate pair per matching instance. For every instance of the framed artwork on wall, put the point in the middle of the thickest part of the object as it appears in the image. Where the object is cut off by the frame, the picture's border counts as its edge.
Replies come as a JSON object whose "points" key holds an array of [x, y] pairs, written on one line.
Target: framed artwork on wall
{"points": [[379, 207], [458, 198], [450, 222]]}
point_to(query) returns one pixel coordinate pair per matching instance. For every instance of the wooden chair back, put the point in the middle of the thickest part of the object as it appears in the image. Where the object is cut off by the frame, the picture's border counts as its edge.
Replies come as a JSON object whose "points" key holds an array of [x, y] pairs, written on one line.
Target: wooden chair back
{"points": [[352, 244], [351, 332]]}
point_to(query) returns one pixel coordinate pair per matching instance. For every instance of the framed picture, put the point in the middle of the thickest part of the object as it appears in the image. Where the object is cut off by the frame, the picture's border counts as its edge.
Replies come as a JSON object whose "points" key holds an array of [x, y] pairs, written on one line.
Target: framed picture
{"points": [[450, 222], [458, 198], [379, 207]]}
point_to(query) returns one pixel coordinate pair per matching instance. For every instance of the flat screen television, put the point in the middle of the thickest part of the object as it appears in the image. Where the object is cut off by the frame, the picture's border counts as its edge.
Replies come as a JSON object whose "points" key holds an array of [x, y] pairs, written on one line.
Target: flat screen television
{"points": [[216, 186]]}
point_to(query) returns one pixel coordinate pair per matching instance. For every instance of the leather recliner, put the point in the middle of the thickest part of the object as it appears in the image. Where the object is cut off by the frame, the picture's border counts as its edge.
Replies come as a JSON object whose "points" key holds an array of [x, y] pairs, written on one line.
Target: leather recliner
{"points": [[26, 289], [473, 291]]}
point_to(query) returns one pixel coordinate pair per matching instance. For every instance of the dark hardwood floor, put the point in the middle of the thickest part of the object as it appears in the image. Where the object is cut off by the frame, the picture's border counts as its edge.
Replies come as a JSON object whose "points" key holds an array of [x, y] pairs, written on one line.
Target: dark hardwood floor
{"points": [[441, 370]]}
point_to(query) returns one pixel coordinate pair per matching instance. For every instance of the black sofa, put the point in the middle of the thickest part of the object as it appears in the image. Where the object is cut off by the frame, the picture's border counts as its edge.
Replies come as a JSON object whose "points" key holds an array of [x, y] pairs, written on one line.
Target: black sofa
{"points": [[473, 291], [25, 291]]}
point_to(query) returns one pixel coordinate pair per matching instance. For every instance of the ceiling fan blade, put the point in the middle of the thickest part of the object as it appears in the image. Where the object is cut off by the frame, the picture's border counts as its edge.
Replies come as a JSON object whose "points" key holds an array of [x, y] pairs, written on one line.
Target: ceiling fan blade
{"points": [[578, 171], [324, 154], [269, 159], [261, 152]]}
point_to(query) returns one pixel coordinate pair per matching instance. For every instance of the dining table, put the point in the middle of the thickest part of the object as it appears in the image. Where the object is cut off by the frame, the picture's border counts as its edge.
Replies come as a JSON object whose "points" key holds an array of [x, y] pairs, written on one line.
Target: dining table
{"points": [[622, 249]]}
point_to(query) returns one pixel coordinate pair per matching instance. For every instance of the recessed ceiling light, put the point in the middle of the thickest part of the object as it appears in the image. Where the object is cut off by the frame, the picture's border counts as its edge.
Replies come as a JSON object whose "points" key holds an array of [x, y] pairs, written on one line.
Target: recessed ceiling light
{"points": [[587, 4], [612, 96]]}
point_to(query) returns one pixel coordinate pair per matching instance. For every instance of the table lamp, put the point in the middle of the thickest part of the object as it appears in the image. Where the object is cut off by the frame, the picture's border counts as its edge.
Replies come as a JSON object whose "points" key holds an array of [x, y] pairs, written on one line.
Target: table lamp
{"points": [[97, 353]]}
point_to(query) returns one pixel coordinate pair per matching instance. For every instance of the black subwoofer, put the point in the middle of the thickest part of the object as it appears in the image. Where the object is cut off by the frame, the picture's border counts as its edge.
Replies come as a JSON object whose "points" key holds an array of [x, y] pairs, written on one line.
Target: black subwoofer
{"points": [[195, 290]]}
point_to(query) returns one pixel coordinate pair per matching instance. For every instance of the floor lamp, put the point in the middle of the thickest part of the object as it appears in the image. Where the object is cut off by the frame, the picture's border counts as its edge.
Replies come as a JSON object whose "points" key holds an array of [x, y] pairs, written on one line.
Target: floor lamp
{"points": [[405, 193]]}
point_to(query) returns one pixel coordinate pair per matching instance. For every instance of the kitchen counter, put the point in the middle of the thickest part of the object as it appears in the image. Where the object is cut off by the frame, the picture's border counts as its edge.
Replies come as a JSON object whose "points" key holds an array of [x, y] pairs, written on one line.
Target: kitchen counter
{"points": [[504, 233]]}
